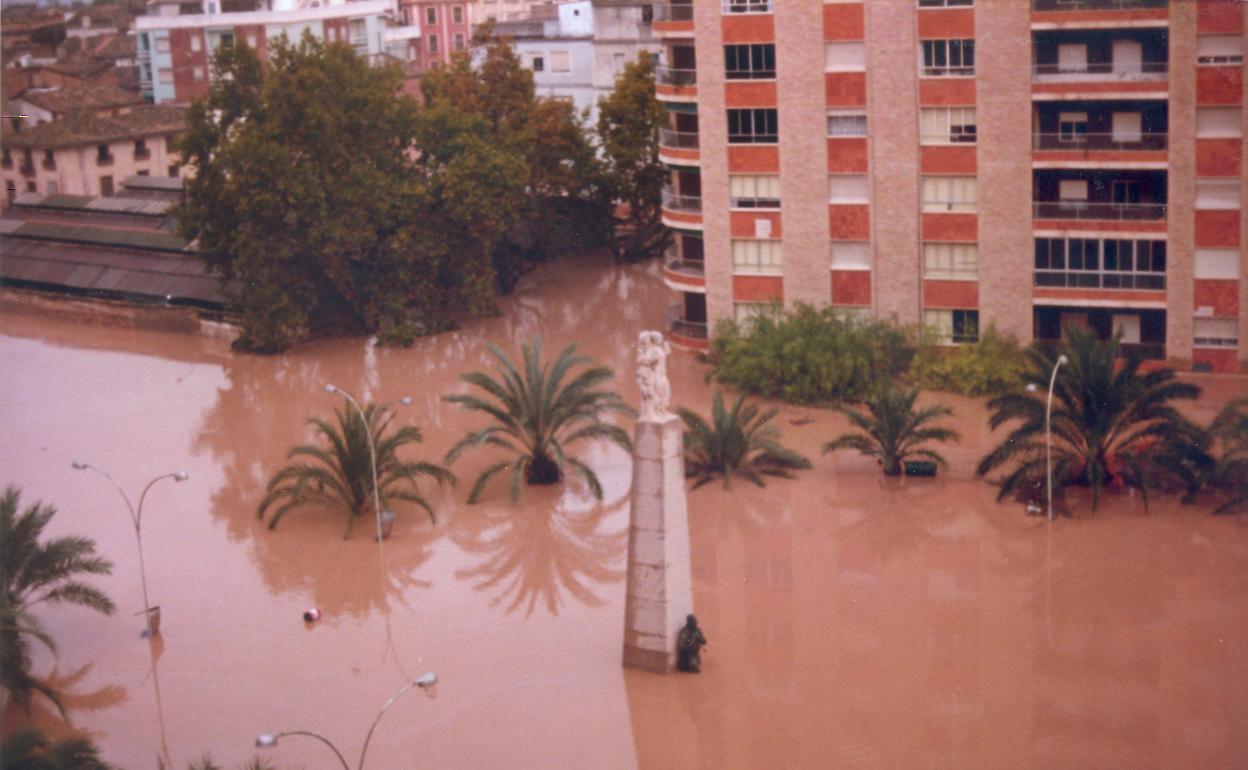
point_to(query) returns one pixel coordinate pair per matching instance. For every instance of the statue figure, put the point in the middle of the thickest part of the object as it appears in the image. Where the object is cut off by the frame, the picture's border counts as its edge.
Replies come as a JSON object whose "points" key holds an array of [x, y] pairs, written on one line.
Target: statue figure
{"points": [[689, 644], [656, 391]]}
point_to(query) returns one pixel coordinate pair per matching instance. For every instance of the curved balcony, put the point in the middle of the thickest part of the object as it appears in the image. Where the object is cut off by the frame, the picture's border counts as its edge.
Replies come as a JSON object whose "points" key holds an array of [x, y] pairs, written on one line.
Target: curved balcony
{"points": [[673, 19], [678, 148], [1112, 212], [682, 211], [675, 85], [683, 274], [689, 334]]}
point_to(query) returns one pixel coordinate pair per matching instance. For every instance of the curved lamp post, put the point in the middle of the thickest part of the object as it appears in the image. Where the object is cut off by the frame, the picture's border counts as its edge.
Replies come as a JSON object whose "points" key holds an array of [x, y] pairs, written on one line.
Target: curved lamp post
{"points": [[269, 740], [136, 516], [372, 450], [1048, 432]]}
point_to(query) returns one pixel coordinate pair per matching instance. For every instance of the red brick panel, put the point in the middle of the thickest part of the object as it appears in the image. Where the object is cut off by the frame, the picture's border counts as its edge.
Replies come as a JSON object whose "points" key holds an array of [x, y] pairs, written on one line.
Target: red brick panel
{"points": [[1221, 295], [749, 28], [843, 21], [750, 94], [1218, 157], [958, 228], [757, 288], [845, 89], [953, 159], [1217, 229], [939, 23], [847, 156], [1219, 17], [849, 222], [851, 287], [753, 159], [742, 225], [1219, 85], [951, 294], [947, 92], [1221, 361]]}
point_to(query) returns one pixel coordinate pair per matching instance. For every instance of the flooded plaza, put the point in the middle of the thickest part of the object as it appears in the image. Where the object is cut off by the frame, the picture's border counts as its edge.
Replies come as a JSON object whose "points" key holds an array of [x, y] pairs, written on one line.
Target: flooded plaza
{"points": [[853, 622]]}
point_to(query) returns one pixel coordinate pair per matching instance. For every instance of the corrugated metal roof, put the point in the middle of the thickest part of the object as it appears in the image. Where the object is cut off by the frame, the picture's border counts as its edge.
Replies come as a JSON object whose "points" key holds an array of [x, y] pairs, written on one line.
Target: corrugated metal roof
{"points": [[148, 240], [154, 183]]}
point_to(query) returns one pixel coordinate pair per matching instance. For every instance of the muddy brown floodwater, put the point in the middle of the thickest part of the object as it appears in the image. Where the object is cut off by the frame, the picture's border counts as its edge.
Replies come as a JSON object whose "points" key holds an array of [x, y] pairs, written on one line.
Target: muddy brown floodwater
{"points": [[852, 623]]}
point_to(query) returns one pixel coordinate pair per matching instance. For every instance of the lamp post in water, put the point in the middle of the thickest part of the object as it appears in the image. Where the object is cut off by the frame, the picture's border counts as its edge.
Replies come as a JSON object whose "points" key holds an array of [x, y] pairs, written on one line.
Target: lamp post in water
{"points": [[269, 740], [152, 614], [1048, 432], [372, 452]]}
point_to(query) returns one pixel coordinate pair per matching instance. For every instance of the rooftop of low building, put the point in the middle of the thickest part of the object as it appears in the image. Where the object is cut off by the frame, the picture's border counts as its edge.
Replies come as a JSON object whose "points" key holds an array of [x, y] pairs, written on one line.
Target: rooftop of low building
{"points": [[83, 128], [96, 96]]}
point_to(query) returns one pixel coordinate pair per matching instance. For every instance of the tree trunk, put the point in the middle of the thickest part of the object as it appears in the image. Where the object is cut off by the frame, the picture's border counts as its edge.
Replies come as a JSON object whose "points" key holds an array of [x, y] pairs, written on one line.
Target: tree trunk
{"points": [[541, 470]]}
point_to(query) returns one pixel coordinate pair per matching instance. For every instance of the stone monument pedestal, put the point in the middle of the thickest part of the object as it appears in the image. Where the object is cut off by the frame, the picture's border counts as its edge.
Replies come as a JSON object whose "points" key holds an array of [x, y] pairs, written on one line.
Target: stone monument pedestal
{"points": [[660, 586]]}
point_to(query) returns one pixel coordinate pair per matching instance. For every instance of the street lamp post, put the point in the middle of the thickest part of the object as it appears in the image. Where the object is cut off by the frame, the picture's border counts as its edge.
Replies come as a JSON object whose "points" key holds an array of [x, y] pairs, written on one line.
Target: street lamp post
{"points": [[372, 450], [269, 740], [1048, 433], [136, 516]]}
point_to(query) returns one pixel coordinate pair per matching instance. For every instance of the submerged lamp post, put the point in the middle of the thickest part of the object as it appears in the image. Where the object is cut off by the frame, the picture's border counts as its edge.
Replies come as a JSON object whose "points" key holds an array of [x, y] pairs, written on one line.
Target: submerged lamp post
{"points": [[269, 740], [388, 516], [152, 614], [1048, 432]]}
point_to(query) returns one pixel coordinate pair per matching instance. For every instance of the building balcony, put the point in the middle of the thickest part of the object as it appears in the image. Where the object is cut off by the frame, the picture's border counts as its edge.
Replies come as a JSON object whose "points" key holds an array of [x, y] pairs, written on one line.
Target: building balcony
{"points": [[682, 211], [1101, 279], [1096, 5], [683, 274], [1087, 143], [692, 334], [673, 19], [1101, 72], [1113, 212], [675, 85], [678, 148]]}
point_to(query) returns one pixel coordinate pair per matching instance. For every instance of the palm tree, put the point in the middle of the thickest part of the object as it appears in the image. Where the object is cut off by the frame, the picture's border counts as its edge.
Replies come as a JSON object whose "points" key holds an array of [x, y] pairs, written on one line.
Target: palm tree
{"points": [[738, 440], [892, 430], [31, 573], [340, 476], [28, 748], [1229, 473], [1110, 419], [537, 416]]}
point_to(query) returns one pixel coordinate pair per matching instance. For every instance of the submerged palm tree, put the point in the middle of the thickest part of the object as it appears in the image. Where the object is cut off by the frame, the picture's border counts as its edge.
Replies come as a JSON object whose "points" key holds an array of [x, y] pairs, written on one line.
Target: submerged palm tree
{"points": [[1110, 421], [341, 475], [892, 430], [537, 415], [29, 748], [736, 441], [32, 572], [1229, 473]]}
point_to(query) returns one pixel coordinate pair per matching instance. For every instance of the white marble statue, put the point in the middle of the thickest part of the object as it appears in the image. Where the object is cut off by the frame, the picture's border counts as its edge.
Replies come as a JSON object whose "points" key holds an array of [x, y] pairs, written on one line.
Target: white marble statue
{"points": [[656, 391]]}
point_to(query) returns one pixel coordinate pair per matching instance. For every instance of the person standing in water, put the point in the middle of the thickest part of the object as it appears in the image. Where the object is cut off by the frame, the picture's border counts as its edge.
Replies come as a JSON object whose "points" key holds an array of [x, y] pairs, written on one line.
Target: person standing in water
{"points": [[689, 644]]}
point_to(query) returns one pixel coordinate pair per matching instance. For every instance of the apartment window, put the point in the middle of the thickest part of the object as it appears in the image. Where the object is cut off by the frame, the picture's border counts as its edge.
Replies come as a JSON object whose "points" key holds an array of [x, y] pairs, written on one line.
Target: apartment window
{"points": [[102, 155], [49, 160], [433, 44], [844, 57], [1219, 122], [947, 125], [757, 257], [457, 14], [1072, 126], [754, 191], [6, 160], [332, 33], [539, 64], [950, 193], [197, 74], [431, 15], [10, 189], [1219, 49], [848, 188], [560, 61], [140, 150], [162, 45], [847, 123], [251, 42], [1215, 332], [750, 62], [953, 326], [1072, 189], [948, 57], [747, 6], [951, 261], [53, 188], [759, 126], [744, 312], [106, 186], [1218, 194], [166, 77], [850, 255], [1093, 264], [1220, 264], [196, 42], [944, 3], [173, 171], [459, 41], [359, 31], [31, 187]]}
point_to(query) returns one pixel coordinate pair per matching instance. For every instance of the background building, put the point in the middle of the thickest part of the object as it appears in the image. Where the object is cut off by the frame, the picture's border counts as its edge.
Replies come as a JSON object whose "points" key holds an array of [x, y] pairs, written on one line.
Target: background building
{"points": [[960, 163]]}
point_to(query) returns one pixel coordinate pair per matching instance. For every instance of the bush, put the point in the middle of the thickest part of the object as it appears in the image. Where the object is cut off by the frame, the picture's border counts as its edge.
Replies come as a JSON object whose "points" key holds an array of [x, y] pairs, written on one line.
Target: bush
{"points": [[993, 365], [810, 356]]}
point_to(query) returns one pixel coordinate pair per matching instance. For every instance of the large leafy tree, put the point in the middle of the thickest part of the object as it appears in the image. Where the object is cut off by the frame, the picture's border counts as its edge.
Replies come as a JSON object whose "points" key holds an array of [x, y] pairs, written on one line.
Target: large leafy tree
{"points": [[738, 441], [34, 572], [539, 410], [339, 475], [628, 129], [1111, 420], [892, 430]]}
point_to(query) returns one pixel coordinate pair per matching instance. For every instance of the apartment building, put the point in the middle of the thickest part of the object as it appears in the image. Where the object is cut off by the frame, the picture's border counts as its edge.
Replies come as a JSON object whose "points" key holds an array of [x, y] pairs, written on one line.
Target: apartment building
{"points": [[445, 28], [1029, 164]]}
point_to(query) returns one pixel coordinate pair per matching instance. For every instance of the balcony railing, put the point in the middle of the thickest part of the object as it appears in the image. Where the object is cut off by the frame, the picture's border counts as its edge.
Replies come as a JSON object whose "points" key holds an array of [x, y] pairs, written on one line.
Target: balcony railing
{"points": [[1125, 72], [1101, 279], [1134, 212], [1095, 5], [674, 201], [1110, 142], [673, 11], [677, 324], [675, 263], [669, 76], [682, 140]]}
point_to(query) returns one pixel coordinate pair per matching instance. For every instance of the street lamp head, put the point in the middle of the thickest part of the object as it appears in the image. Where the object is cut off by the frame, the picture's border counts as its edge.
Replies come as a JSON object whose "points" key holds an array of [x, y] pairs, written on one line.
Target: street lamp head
{"points": [[427, 679], [79, 465], [406, 401], [330, 388], [1031, 387], [266, 741], [1063, 360], [181, 476]]}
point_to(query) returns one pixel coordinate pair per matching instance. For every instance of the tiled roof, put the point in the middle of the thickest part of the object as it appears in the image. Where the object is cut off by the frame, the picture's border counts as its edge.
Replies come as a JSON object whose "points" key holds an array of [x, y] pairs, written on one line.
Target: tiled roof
{"points": [[85, 97], [119, 46], [79, 67], [80, 128]]}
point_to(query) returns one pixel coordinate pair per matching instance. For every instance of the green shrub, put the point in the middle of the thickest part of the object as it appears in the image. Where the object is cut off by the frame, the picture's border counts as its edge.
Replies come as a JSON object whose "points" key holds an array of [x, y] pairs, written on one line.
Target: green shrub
{"points": [[993, 365], [809, 356]]}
